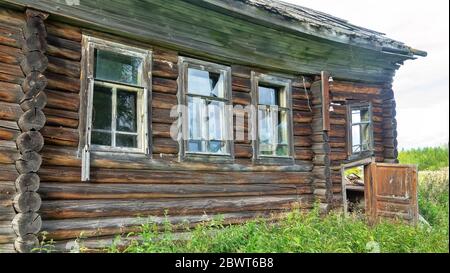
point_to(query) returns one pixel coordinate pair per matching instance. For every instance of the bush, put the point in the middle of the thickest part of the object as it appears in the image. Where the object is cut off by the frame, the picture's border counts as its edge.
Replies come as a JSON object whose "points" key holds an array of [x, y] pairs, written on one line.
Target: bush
{"points": [[428, 159]]}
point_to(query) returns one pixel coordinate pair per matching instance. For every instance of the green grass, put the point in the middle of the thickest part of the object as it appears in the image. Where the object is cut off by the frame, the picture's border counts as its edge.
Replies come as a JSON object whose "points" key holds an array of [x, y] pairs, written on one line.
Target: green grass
{"points": [[308, 232], [428, 159]]}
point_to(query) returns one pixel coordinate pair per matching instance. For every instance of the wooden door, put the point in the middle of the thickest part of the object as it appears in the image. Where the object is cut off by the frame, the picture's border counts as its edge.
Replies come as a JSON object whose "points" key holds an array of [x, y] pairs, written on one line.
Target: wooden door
{"points": [[391, 192]]}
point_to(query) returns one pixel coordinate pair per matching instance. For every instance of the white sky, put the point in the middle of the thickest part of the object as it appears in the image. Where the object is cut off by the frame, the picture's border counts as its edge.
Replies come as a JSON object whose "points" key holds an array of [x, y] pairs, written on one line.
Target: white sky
{"points": [[421, 86]]}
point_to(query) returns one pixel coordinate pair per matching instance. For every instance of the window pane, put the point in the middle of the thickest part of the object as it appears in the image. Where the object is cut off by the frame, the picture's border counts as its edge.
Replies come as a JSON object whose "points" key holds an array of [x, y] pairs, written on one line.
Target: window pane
{"points": [[205, 83], [126, 111], [356, 116], [356, 135], [126, 141], [102, 108], [195, 146], [282, 150], [99, 138], [365, 115], [282, 127], [117, 67], [267, 95], [266, 149], [196, 118], [217, 147], [365, 131], [216, 120], [265, 126]]}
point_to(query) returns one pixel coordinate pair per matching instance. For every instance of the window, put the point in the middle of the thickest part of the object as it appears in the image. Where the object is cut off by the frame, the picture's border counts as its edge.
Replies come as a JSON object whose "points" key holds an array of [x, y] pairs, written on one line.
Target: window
{"points": [[116, 97], [207, 96], [360, 129], [273, 122]]}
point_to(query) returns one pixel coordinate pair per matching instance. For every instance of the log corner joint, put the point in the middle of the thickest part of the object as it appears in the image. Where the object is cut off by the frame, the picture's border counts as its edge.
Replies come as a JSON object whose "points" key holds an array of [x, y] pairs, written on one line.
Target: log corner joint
{"points": [[27, 222]]}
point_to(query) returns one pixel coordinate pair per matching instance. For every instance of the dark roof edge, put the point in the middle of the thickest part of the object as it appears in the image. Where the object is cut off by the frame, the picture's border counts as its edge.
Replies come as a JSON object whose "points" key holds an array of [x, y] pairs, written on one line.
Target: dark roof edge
{"points": [[297, 19]]}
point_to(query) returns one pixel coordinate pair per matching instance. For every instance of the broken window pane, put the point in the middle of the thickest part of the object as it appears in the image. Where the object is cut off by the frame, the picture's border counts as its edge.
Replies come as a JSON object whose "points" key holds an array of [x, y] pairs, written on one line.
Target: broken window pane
{"points": [[111, 66], [205, 83]]}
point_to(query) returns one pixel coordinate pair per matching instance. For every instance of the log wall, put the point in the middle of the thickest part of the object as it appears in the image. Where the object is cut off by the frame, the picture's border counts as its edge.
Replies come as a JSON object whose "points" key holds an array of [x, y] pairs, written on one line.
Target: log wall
{"points": [[11, 94], [127, 186]]}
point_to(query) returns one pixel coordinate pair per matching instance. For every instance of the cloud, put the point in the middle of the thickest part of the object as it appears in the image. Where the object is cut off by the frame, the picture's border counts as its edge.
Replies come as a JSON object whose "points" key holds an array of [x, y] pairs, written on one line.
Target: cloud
{"points": [[421, 86]]}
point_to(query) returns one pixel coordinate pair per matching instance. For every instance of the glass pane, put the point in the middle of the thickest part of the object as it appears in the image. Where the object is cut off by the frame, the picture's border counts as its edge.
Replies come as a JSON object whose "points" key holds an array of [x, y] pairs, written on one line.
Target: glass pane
{"points": [[126, 141], [356, 116], [196, 118], [282, 150], [356, 135], [217, 147], [205, 83], [265, 126], [216, 120], [266, 149], [282, 127], [195, 146], [126, 111], [117, 67], [99, 138], [365, 132], [102, 108], [267, 95], [365, 115]]}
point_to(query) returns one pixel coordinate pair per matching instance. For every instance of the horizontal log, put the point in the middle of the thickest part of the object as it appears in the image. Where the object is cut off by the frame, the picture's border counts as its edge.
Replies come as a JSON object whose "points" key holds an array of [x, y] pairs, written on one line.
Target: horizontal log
{"points": [[111, 208], [10, 111], [164, 101], [28, 162], [11, 78], [9, 172], [241, 84], [33, 119], [8, 130], [64, 43], [302, 129], [27, 202], [241, 98], [10, 55], [11, 36], [10, 92], [62, 100], [165, 69], [161, 130], [163, 116], [302, 116], [27, 183], [83, 191], [302, 141], [13, 18], [164, 146], [61, 82], [7, 191], [162, 85], [71, 228], [71, 174], [63, 30], [60, 136], [62, 118], [11, 69], [63, 53], [339, 86], [243, 150], [166, 55], [29, 141], [303, 153], [59, 156], [64, 67]]}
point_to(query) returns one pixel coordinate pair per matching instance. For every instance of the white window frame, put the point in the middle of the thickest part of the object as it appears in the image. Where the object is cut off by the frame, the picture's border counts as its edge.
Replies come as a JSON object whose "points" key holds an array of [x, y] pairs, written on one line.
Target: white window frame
{"points": [[184, 64], [278, 82], [143, 103]]}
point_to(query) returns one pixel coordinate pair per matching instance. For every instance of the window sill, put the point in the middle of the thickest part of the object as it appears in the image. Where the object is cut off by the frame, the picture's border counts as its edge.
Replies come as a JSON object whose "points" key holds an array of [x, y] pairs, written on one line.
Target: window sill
{"points": [[360, 156], [277, 161], [208, 158]]}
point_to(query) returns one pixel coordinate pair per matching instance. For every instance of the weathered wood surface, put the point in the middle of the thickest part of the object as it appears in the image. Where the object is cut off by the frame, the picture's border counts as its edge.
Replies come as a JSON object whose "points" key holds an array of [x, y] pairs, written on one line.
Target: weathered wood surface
{"points": [[223, 37]]}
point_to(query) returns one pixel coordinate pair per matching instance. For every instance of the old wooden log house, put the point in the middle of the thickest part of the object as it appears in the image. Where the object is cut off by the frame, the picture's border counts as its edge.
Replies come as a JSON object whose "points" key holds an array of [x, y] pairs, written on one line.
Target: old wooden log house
{"points": [[112, 110]]}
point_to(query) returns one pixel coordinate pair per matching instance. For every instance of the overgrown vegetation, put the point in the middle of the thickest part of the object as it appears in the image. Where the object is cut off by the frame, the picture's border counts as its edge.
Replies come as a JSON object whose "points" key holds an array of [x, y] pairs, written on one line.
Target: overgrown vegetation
{"points": [[300, 232], [428, 159]]}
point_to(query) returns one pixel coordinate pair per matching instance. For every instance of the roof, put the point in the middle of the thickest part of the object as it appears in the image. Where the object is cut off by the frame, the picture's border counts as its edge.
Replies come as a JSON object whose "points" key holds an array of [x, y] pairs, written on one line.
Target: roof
{"points": [[316, 23]]}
